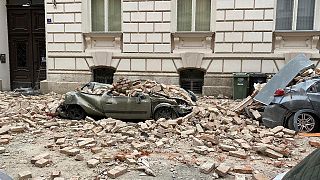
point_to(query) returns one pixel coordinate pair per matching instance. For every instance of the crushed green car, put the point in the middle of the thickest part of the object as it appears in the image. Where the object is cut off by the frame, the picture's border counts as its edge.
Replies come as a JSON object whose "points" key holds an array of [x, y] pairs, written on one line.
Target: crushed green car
{"points": [[78, 104]]}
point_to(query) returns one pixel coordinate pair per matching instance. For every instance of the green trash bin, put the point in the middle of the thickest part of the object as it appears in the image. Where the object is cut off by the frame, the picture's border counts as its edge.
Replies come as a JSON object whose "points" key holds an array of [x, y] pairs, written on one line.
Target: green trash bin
{"points": [[240, 85]]}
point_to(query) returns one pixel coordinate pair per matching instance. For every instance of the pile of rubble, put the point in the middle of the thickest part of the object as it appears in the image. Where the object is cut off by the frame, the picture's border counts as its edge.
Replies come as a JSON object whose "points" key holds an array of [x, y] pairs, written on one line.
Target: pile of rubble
{"points": [[126, 87], [230, 142], [305, 75], [252, 108]]}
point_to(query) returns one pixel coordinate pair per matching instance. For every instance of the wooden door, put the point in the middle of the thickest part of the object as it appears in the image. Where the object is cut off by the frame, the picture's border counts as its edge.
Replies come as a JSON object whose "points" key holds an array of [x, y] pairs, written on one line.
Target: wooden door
{"points": [[27, 51]]}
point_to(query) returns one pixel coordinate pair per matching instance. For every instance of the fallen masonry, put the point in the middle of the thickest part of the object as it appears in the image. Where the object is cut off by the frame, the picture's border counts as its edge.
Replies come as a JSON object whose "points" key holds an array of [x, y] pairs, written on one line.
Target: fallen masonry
{"points": [[213, 139], [117, 171], [24, 175]]}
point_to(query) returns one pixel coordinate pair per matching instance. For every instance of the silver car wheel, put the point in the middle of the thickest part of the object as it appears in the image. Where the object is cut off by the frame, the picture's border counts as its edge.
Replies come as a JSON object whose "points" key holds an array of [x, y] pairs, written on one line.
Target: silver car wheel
{"points": [[305, 122]]}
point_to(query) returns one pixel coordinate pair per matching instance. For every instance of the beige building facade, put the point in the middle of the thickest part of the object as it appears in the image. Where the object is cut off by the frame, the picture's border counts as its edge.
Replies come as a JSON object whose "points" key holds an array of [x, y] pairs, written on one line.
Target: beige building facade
{"points": [[197, 44], [4, 50]]}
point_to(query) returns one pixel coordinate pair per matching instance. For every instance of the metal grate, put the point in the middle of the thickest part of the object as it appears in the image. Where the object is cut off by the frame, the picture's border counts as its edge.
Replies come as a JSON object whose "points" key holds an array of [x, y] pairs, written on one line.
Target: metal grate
{"points": [[192, 79], [103, 75]]}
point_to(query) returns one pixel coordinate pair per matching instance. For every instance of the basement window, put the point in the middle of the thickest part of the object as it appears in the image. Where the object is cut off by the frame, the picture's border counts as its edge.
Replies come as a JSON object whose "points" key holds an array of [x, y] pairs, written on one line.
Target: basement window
{"points": [[103, 75], [192, 79]]}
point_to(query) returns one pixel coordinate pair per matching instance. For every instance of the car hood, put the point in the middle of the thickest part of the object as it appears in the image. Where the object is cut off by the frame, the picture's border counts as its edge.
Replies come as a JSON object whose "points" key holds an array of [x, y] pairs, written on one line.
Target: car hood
{"points": [[283, 78]]}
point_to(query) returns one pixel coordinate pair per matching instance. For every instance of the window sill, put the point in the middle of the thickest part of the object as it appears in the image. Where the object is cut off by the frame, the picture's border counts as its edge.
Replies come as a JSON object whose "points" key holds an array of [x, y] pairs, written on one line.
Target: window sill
{"points": [[296, 32], [193, 34], [296, 41], [103, 34], [106, 41]]}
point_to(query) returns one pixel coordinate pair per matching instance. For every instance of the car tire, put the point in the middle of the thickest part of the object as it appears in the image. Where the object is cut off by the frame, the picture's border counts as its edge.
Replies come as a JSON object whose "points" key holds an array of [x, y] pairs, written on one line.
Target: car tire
{"points": [[165, 112], [62, 111], [76, 112], [293, 123]]}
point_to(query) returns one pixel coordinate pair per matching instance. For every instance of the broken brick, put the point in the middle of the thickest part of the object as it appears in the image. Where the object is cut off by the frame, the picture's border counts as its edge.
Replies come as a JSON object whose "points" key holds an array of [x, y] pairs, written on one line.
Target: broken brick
{"points": [[243, 169], [4, 130], [277, 129], [79, 157], [85, 142], [41, 156], [24, 175], [96, 150], [239, 154], [260, 176], [17, 129], [207, 167], [55, 174], [225, 147], [117, 171], [222, 170], [42, 163], [2, 150], [92, 163], [60, 141], [4, 141], [315, 144], [139, 146]]}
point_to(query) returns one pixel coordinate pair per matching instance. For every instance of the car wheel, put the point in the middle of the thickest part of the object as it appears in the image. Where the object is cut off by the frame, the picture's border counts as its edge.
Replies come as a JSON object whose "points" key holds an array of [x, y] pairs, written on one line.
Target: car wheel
{"points": [[76, 112], [166, 113], [303, 122], [62, 111]]}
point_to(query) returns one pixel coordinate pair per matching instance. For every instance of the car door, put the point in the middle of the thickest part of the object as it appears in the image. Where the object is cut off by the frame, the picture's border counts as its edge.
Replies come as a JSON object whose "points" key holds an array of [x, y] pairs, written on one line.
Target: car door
{"points": [[314, 95], [125, 107]]}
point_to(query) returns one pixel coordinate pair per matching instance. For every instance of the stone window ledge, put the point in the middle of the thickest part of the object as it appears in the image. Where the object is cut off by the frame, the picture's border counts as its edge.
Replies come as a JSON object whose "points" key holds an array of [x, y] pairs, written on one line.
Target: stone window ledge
{"points": [[192, 42], [193, 34], [296, 33], [106, 41], [296, 41]]}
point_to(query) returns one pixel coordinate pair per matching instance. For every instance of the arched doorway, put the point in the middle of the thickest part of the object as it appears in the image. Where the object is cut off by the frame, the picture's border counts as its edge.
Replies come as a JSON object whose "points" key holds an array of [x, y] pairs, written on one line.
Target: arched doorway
{"points": [[192, 79], [103, 75]]}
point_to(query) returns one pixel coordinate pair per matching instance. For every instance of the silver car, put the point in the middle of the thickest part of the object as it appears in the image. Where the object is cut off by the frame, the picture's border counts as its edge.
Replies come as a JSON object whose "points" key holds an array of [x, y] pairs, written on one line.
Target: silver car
{"points": [[296, 107]]}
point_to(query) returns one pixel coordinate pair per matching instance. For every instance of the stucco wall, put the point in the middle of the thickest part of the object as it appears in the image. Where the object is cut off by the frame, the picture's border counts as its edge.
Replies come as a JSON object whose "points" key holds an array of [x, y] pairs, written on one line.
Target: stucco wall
{"points": [[4, 67]]}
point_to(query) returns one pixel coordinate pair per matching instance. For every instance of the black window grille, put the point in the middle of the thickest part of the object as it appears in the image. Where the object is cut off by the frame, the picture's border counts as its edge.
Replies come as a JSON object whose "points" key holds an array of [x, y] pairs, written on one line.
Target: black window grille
{"points": [[192, 79], [103, 75]]}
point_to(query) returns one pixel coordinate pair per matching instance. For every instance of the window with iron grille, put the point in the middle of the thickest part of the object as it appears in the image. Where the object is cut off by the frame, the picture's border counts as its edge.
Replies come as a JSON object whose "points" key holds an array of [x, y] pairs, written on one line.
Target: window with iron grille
{"points": [[192, 79], [103, 75]]}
